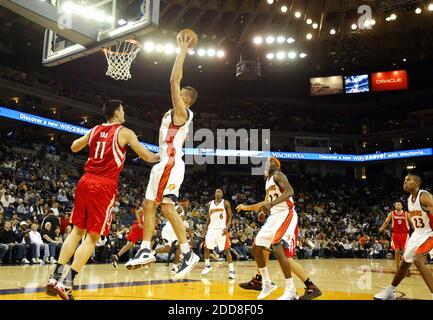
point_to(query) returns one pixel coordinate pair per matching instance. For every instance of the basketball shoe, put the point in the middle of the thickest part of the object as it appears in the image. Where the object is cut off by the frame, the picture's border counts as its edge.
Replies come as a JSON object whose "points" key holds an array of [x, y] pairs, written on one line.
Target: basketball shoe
{"points": [[267, 289], [288, 295], [143, 257], [386, 294], [188, 261], [64, 292], [206, 270], [254, 284], [311, 293], [232, 275]]}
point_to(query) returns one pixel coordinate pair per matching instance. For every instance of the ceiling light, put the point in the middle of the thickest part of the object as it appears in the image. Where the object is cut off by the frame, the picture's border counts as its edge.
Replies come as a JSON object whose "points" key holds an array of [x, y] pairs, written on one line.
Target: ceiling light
{"points": [[270, 39], [309, 36], [292, 55], [211, 52], [298, 14], [290, 40], [303, 55], [309, 21], [332, 31], [258, 40], [281, 39], [430, 7], [283, 9], [270, 56], [201, 52], [220, 53], [354, 26], [418, 10], [149, 46], [270, 1], [280, 55], [315, 25]]}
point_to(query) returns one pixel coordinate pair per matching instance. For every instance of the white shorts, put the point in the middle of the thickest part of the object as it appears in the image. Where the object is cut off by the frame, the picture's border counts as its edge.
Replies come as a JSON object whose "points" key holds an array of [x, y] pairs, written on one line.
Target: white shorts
{"points": [[168, 235], [215, 238], [280, 226], [418, 244], [165, 180]]}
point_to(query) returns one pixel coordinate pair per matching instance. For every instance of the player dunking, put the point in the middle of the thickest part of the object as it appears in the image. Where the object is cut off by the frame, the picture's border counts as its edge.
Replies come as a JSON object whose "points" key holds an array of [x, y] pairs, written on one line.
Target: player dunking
{"points": [[96, 192], [400, 230], [167, 176], [217, 231], [134, 236], [420, 207], [278, 229]]}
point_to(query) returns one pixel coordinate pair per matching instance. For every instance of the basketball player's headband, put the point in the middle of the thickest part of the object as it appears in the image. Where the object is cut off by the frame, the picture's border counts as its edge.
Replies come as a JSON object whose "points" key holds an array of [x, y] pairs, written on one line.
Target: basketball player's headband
{"points": [[276, 161]]}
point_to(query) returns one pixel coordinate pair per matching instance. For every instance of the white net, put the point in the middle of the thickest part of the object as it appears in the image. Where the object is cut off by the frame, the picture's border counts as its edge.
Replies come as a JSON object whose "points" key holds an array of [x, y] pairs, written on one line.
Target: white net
{"points": [[120, 57]]}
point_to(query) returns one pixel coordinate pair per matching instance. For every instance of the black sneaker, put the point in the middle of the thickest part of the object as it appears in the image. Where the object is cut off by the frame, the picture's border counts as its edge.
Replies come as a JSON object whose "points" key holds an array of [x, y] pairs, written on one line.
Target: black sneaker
{"points": [[311, 293], [254, 284], [188, 262], [114, 260]]}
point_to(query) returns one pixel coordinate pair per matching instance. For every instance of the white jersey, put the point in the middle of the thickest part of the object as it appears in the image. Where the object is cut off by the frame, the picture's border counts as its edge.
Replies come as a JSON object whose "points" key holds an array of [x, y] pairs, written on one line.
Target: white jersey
{"points": [[421, 220], [171, 137], [218, 215], [273, 191]]}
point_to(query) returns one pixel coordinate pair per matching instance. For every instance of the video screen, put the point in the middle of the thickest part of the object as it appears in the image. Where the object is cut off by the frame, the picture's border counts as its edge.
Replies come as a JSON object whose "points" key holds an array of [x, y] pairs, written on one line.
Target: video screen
{"points": [[357, 84], [326, 86]]}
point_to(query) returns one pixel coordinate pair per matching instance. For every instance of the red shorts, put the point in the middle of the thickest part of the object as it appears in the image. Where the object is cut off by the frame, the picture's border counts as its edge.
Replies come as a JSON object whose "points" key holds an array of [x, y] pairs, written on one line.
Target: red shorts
{"points": [[291, 251], [94, 198], [399, 241], [135, 234]]}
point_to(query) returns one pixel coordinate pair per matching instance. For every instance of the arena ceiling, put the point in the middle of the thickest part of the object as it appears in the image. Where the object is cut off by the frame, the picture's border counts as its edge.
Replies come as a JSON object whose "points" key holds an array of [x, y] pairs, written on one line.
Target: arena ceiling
{"points": [[233, 24]]}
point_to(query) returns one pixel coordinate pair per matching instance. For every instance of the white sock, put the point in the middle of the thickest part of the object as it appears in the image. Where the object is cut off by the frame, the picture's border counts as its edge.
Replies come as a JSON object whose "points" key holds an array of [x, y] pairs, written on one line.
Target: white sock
{"points": [[145, 244], [184, 248], [231, 267], [265, 275], [207, 262], [392, 288], [289, 284]]}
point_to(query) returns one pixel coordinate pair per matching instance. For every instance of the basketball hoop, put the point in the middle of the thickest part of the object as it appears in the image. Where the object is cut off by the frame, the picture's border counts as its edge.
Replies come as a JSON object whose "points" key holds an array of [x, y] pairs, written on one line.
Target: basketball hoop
{"points": [[120, 57]]}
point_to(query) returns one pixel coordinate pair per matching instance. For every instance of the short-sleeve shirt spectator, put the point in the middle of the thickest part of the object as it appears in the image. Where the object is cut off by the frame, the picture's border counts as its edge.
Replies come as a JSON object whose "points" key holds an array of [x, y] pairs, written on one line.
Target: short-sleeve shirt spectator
{"points": [[51, 234]]}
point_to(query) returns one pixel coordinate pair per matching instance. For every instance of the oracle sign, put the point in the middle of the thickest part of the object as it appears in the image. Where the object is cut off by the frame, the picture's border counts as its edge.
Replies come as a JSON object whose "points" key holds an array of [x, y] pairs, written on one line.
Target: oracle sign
{"points": [[387, 81]]}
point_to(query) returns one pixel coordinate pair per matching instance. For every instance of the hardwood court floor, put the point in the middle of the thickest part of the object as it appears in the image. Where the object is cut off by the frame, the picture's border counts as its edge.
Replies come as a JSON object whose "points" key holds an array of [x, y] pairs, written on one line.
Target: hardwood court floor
{"points": [[339, 279]]}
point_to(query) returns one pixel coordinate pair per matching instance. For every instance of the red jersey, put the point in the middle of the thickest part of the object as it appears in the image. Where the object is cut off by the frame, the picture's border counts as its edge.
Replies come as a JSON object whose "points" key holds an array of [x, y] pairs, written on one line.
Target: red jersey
{"points": [[106, 156], [399, 222]]}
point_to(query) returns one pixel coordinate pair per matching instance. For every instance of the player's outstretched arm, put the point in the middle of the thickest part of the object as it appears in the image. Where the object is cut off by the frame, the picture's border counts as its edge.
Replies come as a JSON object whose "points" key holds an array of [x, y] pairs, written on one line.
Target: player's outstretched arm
{"points": [[252, 207], [80, 143], [128, 137], [180, 109], [387, 221]]}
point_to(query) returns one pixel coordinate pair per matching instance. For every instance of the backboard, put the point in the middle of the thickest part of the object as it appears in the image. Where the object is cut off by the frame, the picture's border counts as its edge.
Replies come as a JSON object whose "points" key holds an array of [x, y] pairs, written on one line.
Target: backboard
{"points": [[85, 27]]}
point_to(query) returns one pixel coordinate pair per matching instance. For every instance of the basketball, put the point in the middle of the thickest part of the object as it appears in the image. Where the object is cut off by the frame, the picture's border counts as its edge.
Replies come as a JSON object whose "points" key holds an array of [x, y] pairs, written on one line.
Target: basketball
{"points": [[191, 34]]}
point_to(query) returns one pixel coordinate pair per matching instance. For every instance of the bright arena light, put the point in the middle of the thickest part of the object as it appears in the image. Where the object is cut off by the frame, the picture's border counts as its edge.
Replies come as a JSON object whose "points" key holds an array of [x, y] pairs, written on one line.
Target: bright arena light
{"points": [[270, 1], [430, 7], [388, 19], [309, 21], [309, 36], [393, 16], [354, 26], [191, 52], [280, 55], [211, 52], [283, 9], [220, 53], [201, 52], [372, 22], [270, 56], [149, 46], [367, 23], [303, 55], [159, 48], [418, 10], [298, 14], [292, 55], [315, 25], [290, 40], [332, 31], [270, 39], [258, 40], [281, 39], [68, 7]]}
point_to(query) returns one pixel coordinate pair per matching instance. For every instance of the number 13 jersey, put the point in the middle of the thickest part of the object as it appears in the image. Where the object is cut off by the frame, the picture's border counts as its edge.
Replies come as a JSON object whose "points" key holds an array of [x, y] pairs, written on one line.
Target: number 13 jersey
{"points": [[273, 191], [421, 219]]}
